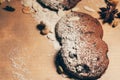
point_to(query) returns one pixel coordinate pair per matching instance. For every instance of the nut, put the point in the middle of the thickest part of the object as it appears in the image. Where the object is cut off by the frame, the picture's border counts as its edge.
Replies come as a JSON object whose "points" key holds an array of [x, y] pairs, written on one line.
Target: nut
{"points": [[26, 10], [45, 31]]}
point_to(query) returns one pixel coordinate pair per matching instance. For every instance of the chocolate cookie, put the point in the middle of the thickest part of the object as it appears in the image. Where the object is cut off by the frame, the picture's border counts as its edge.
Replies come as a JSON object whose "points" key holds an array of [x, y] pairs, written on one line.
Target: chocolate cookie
{"points": [[83, 52], [80, 23], [59, 4]]}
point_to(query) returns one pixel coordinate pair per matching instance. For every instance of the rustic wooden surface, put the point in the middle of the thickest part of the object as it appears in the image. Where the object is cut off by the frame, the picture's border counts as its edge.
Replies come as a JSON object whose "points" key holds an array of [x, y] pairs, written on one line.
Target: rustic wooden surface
{"points": [[27, 55]]}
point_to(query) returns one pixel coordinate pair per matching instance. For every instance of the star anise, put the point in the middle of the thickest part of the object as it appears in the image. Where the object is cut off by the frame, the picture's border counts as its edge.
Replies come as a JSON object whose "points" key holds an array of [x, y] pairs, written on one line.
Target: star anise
{"points": [[110, 12]]}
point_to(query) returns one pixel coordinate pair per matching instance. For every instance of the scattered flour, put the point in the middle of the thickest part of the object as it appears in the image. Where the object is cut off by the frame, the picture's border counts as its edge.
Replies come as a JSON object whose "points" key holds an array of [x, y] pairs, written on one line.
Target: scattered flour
{"points": [[47, 16], [18, 63], [19, 76]]}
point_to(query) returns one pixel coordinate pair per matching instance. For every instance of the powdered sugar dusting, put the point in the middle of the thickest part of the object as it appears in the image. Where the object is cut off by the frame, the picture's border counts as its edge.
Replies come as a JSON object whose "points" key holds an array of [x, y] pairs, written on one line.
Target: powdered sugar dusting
{"points": [[47, 16], [18, 63]]}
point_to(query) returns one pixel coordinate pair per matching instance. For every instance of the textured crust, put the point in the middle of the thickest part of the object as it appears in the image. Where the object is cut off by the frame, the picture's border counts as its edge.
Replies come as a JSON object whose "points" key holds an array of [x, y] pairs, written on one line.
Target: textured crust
{"points": [[87, 59], [59, 4], [83, 51], [81, 22]]}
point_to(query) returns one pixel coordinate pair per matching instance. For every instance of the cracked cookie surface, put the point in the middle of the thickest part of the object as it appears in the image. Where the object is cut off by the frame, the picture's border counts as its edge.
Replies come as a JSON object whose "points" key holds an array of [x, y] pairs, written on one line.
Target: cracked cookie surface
{"points": [[83, 52]]}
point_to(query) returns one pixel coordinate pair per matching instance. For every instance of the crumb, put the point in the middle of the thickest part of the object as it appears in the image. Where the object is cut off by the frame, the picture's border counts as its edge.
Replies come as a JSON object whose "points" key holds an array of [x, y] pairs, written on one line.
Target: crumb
{"points": [[89, 9]]}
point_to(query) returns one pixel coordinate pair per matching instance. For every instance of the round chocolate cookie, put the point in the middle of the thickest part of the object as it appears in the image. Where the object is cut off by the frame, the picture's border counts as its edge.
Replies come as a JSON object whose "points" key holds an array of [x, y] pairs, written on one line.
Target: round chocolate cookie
{"points": [[83, 52], [77, 23], [59, 4], [85, 60]]}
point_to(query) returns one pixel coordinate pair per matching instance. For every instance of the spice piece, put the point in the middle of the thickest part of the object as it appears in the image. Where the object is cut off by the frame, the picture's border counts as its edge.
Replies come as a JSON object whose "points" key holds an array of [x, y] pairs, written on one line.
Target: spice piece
{"points": [[26, 10], [43, 28], [9, 8], [115, 23], [110, 12], [89, 9], [60, 69], [45, 31], [118, 15]]}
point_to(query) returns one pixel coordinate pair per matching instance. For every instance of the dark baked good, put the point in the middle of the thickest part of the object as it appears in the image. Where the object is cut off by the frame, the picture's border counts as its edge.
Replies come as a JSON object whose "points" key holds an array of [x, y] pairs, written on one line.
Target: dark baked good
{"points": [[80, 23], [59, 4], [83, 52]]}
